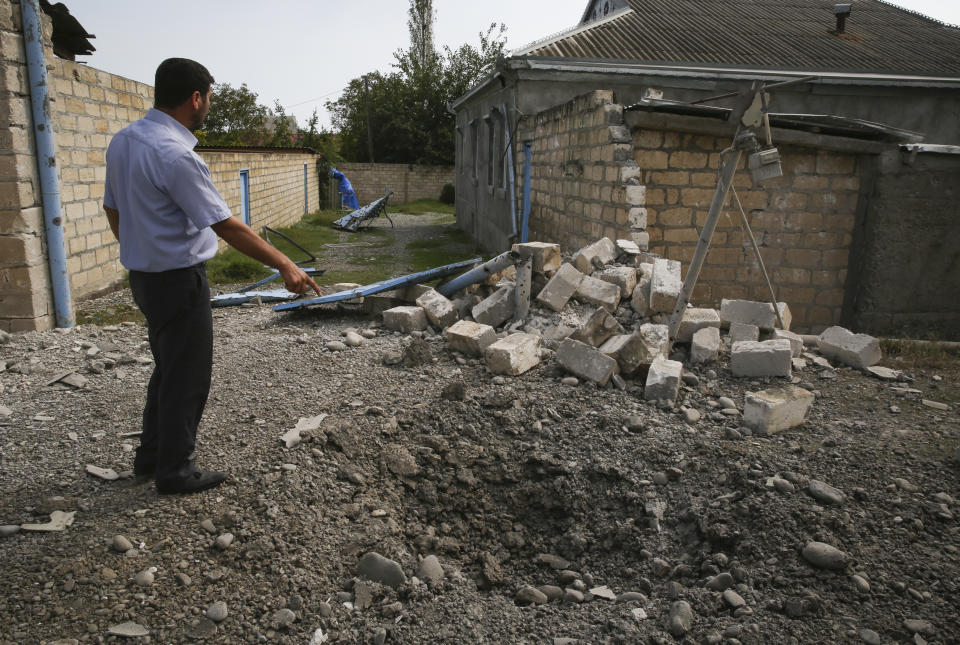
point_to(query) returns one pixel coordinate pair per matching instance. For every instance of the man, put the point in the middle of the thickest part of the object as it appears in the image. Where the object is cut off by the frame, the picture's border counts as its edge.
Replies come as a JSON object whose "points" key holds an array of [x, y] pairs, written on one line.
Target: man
{"points": [[166, 213]]}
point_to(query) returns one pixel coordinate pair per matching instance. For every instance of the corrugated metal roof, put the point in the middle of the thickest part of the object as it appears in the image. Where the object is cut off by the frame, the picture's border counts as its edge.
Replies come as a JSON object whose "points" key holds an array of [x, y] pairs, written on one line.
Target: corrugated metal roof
{"points": [[765, 34]]}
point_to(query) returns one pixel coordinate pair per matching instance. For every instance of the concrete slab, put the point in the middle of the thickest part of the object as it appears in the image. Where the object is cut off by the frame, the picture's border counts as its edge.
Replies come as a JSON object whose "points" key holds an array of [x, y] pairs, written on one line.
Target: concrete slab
{"points": [[776, 409]]}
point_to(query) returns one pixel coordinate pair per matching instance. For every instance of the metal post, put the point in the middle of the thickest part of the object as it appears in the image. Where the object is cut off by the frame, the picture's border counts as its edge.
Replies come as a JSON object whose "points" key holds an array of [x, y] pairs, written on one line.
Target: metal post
{"points": [[729, 168]]}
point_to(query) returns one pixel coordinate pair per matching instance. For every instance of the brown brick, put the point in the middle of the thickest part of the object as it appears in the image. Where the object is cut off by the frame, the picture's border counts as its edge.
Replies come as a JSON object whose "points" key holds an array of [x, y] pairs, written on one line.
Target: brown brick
{"points": [[691, 160], [651, 139], [696, 197], [791, 276], [799, 295], [805, 258], [651, 159], [680, 235], [834, 164], [811, 182], [796, 164], [802, 221], [835, 259]]}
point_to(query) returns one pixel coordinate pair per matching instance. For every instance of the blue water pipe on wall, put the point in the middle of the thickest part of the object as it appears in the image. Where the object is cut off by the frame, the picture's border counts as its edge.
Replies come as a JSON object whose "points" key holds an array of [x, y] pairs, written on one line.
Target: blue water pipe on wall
{"points": [[47, 161]]}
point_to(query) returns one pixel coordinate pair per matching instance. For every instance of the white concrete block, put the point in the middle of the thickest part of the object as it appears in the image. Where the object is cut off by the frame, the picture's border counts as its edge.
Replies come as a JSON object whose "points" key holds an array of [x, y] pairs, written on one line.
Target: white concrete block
{"points": [[496, 309], [601, 252], [598, 293], [440, 310], [796, 341], [513, 355], [629, 350], [694, 320], [469, 337], [856, 350], [742, 331], [640, 301], [665, 286], [586, 362], [656, 342], [561, 287], [623, 277], [405, 319], [663, 380], [597, 328], [546, 256], [750, 312], [628, 248], [776, 409], [705, 345], [641, 239], [767, 358]]}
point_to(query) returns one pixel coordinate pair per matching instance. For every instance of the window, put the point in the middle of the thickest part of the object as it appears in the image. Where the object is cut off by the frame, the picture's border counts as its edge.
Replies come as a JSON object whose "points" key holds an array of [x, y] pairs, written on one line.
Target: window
{"points": [[500, 166], [491, 141], [474, 148]]}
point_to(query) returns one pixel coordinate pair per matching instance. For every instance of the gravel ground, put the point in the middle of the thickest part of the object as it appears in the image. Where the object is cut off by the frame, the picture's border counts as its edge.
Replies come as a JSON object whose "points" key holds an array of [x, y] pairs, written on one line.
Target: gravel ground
{"points": [[626, 518]]}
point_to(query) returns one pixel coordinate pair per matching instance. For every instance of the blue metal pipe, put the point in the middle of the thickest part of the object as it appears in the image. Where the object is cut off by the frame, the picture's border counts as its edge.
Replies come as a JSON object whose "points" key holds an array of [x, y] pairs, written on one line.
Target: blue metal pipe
{"points": [[47, 161], [482, 272], [525, 225]]}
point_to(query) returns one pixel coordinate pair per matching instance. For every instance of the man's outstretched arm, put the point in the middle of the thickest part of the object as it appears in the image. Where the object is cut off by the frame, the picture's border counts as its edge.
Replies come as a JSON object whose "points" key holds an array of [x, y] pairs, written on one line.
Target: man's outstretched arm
{"points": [[241, 237]]}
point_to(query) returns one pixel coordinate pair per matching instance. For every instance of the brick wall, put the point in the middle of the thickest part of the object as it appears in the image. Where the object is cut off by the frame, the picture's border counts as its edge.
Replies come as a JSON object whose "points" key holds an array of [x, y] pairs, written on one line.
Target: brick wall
{"points": [[408, 182], [276, 184], [90, 107], [591, 176]]}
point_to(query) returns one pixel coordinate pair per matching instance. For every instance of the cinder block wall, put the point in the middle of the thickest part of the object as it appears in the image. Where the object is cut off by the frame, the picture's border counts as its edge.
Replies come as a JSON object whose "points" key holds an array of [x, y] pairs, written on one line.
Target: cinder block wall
{"points": [[276, 184], [583, 177], [591, 177], [91, 106], [803, 222], [408, 182]]}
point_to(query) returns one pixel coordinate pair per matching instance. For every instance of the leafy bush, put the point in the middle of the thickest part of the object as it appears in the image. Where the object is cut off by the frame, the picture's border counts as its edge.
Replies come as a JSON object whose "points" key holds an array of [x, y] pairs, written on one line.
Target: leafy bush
{"points": [[447, 196]]}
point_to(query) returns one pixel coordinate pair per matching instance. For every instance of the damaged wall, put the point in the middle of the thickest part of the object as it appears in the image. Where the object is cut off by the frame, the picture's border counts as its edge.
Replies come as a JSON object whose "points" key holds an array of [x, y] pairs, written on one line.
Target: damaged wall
{"points": [[597, 172]]}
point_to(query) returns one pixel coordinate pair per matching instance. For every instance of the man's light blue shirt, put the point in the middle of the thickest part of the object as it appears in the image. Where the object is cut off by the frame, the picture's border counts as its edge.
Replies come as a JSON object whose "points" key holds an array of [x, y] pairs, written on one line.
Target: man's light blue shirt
{"points": [[163, 191]]}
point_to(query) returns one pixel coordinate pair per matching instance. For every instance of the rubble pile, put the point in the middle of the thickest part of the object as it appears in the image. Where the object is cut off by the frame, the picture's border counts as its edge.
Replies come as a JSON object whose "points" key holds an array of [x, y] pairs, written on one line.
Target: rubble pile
{"points": [[602, 314]]}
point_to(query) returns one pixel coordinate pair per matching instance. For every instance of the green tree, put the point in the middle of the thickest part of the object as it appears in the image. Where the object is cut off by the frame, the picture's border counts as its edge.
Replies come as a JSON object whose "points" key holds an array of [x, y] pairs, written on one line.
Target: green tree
{"points": [[409, 120], [283, 134], [235, 118]]}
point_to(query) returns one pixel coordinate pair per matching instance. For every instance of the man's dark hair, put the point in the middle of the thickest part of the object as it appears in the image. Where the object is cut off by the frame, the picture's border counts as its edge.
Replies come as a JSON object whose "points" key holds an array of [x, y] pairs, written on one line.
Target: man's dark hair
{"points": [[176, 81]]}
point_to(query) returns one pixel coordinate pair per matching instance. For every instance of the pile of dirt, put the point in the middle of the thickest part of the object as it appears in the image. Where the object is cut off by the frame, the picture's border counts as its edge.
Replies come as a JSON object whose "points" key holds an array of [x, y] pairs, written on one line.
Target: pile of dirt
{"points": [[554, 513]]}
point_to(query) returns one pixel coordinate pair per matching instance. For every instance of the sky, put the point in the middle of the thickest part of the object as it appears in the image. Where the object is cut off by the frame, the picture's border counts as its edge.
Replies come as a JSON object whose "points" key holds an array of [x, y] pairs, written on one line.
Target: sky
{"points": [[304, 52]]}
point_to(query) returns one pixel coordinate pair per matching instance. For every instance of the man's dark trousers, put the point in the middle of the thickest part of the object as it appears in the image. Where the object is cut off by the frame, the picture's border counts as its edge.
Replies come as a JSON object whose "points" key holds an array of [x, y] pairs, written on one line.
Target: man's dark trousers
{"points": [[179, 322]]}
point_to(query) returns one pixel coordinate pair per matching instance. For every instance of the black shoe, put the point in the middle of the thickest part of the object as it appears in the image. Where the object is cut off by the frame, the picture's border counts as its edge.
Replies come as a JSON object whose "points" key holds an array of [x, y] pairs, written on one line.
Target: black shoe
{"points": [[195, 482]]}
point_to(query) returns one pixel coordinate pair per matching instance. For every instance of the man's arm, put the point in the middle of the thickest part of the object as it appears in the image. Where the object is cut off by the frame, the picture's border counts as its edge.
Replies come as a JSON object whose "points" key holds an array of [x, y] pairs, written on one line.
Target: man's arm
{"points": [[241, 237], [113, 216]]}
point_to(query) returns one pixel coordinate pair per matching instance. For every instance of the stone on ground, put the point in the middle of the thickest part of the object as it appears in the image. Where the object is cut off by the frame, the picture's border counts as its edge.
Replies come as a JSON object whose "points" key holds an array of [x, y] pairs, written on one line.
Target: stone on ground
{"points": [[705, 345], [663, 380], [440, 310], [742, 331], [546, 256], [598, 293], [796, 341], [377, 568], [656, 343], [496, 309], [514, 354], [585, 361], [631, 352], [665, 285], [750, 312], [347, 286], [694, 320], [595, 255], [596, 329], [775, 409], [469, 337], [856, 350], [405, 319], [623, 277], [824, 556], [561, 287], [765, 358]]}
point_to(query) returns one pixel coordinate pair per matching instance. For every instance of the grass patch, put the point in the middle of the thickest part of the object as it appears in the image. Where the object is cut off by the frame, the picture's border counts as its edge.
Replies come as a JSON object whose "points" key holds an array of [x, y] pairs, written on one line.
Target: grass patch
{"points": [[113, 315], [423, 207], [920, 354], [449, 245]]}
